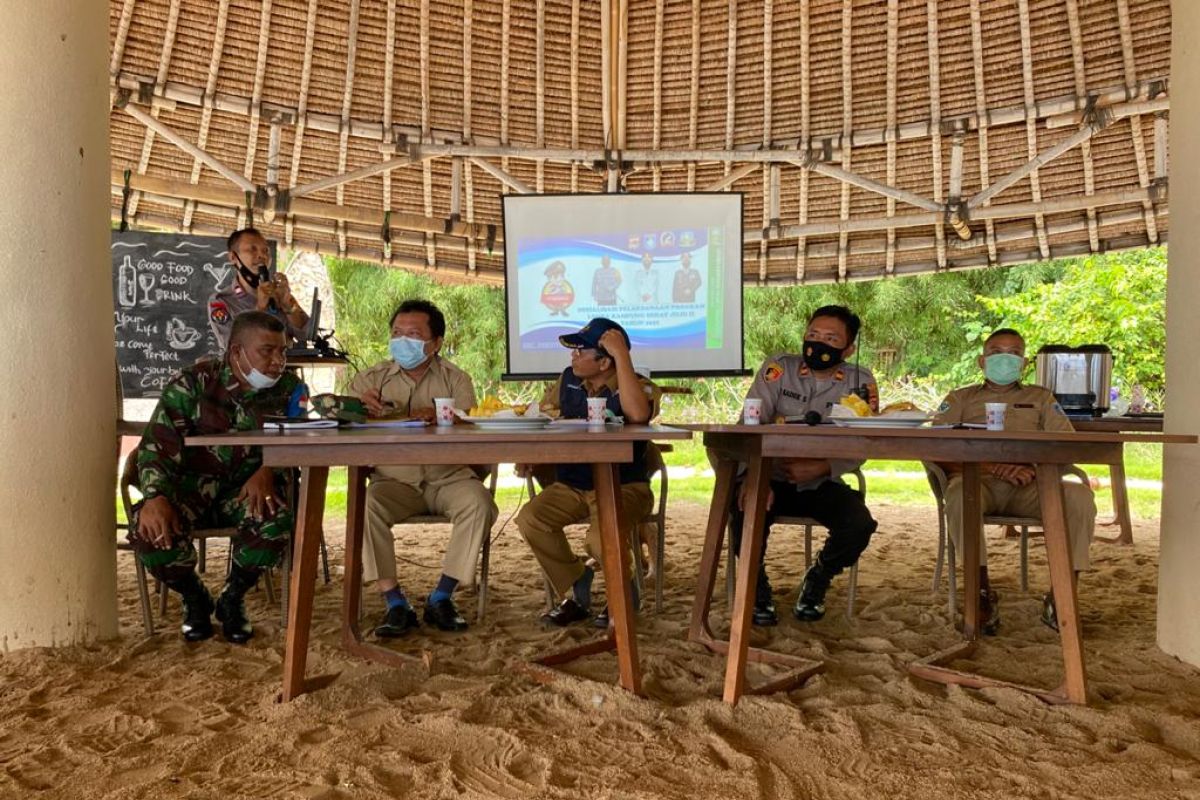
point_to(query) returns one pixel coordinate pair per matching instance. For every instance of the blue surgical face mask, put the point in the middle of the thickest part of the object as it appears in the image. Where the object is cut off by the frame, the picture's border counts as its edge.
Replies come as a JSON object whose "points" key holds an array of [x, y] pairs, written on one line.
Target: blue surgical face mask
{"points": [[407, 351], [1003, 368]]}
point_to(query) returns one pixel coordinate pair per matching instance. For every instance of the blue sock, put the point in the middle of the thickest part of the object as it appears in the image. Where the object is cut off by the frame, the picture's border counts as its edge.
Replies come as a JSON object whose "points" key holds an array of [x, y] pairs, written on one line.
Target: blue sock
{"points": [[395, 597], [445, 587], [582, 588]]}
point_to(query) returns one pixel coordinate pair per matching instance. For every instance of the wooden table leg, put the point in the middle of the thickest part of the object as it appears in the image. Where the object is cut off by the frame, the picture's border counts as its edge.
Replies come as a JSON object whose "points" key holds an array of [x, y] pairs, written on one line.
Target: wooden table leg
{"points": [[714, 538], [1062, 579], [352, 638], [700, 631], [758, 483], [304, 574], [622, 632], [972, 528], [356, 503], [614, 544], [1120, 495]]}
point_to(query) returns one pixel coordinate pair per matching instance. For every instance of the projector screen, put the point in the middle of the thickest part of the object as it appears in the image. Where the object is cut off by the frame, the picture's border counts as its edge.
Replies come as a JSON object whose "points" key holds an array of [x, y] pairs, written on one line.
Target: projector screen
{"points": [[667, 267]]}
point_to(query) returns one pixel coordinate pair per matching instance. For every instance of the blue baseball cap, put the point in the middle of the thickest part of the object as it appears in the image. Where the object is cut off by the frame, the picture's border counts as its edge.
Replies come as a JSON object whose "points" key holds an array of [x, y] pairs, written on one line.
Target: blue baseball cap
{"points": [[589, 335]]}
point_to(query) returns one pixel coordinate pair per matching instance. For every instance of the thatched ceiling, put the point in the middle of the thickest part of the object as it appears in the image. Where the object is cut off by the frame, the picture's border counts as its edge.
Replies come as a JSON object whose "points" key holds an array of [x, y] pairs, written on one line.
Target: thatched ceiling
{"points": [[862, 133]]}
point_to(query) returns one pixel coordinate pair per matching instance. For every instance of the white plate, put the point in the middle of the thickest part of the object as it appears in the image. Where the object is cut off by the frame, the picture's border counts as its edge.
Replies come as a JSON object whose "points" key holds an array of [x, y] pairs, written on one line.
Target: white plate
{"points": [[879, 422], [510, 423]]}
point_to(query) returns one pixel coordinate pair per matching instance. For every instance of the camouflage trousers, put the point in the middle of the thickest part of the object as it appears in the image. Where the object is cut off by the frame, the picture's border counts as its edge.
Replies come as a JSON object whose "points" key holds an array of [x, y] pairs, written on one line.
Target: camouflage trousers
{"points": [[257, 543]]}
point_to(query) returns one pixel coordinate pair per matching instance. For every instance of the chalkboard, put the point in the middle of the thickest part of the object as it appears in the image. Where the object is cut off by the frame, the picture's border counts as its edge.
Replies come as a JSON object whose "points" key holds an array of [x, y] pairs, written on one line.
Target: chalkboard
{"points": [[161, 286]]}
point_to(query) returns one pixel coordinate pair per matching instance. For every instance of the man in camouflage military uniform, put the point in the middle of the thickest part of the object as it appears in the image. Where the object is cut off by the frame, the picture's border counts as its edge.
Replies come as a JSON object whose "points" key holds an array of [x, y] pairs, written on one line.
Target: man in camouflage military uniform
{"points": [[184, 488], [249, 253], [792, 387], [1010, 488]]}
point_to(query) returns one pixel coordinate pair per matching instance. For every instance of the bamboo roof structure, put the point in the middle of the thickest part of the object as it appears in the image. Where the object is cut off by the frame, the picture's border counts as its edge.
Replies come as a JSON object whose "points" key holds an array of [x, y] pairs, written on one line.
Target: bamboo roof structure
{"points": [[870, 138]]}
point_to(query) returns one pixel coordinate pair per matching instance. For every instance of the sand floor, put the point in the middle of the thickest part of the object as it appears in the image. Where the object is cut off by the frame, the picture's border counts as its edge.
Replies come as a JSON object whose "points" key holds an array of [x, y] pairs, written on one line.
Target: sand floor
{"points": [[149, 718]]}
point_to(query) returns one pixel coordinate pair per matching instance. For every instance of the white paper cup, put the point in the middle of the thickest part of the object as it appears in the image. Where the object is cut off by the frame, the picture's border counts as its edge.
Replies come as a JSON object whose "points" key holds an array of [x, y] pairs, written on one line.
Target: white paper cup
{"points": [[595, 411], [443, 408], [995, 415], [752, 411]]}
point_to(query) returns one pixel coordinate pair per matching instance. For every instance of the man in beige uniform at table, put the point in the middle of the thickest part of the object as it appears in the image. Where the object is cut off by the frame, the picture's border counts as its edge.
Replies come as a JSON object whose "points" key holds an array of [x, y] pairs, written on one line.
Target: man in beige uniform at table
{"points": [[406, 387], [1011, 488]]}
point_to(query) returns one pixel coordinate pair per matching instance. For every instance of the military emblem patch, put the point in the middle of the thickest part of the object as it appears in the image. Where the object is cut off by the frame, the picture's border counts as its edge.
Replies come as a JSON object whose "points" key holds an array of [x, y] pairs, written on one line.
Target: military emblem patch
{"points": [[219, 312], [772, 372]]}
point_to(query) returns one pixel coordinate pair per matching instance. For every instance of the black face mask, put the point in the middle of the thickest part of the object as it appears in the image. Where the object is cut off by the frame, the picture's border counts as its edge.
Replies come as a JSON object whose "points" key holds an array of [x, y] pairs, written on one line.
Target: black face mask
{"points": [[251, 277], [820, 356]]}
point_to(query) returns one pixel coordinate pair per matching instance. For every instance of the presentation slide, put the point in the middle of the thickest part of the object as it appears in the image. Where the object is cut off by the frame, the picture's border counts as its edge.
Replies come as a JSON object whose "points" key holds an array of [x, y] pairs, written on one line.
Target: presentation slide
{"points": [[667, 267]]}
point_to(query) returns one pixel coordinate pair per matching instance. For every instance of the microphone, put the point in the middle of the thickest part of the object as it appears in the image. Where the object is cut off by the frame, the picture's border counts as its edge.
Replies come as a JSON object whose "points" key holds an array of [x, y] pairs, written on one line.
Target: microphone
{"points": [[264, 276]]}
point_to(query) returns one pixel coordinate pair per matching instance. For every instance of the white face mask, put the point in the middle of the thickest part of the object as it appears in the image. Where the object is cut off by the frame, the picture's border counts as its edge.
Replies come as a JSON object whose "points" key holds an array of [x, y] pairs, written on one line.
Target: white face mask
{"points": [[256, 379]]}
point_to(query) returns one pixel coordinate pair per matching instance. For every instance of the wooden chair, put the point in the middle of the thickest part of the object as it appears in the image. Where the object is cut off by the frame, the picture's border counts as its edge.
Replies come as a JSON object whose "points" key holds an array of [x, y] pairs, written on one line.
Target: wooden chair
{"points": [[491, 473], [938, 481], [808, 523], [656, 519]]}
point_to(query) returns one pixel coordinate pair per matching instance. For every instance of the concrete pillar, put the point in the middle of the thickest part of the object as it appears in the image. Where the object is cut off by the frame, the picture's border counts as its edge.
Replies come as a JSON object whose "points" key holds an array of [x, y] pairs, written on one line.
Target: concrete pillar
{"points": [[1179, 556], [57, 395]]}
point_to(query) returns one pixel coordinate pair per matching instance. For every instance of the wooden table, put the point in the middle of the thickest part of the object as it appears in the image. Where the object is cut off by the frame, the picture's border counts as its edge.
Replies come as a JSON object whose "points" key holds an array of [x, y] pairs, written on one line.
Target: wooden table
{"points": [[757, 445], [315, 451], [1116, 470]]}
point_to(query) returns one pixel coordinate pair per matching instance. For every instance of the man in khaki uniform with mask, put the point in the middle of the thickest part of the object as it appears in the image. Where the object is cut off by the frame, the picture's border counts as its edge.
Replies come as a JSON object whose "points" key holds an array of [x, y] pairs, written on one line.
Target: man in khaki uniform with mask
{"points": [[1010, 488], [406, 386]]}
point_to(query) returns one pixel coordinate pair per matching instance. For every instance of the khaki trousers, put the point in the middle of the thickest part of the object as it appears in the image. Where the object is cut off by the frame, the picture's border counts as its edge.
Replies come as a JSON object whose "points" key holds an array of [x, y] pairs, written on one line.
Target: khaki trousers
{"points": [[543, 518], [466, 502], [1001, 497]]}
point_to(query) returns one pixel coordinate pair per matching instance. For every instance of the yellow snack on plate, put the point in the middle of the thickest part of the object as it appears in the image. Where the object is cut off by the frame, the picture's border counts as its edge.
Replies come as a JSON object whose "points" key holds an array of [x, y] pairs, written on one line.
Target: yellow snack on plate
{"points": [[487, 407], [893, 408], [856, 404]]}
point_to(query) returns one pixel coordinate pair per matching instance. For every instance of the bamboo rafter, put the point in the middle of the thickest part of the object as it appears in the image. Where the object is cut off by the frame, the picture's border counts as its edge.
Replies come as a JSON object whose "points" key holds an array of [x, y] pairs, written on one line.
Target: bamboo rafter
{"points": [[855, 131]]}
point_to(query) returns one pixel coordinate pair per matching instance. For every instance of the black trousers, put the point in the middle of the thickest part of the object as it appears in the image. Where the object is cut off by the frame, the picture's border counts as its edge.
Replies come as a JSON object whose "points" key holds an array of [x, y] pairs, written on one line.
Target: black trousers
{"points": [[833, 504]]}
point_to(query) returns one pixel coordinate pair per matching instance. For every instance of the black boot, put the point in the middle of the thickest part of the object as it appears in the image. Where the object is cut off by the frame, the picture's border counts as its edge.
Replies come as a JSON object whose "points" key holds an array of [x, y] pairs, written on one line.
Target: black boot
{"points": [[197, 607], [810, 605], [231, 611]]}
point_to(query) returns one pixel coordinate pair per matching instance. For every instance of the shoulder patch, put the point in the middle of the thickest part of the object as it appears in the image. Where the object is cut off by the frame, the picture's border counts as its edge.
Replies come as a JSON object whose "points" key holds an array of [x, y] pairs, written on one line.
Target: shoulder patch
{"points": [[944, 407], [218, 312], [772, 372]]}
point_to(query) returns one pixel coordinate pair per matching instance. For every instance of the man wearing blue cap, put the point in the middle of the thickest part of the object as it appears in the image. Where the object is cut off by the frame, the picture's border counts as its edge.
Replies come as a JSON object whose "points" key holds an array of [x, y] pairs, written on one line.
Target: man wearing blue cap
{"points": [[600, 367]]}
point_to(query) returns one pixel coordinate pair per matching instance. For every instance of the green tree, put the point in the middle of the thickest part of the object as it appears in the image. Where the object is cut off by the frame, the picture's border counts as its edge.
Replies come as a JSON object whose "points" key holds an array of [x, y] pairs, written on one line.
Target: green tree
{"points": [[1117, 299]]}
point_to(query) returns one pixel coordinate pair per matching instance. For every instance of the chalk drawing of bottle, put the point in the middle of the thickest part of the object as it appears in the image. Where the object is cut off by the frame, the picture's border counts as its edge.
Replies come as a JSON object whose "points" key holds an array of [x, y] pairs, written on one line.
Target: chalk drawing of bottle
{"points": [[127, 284]]}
